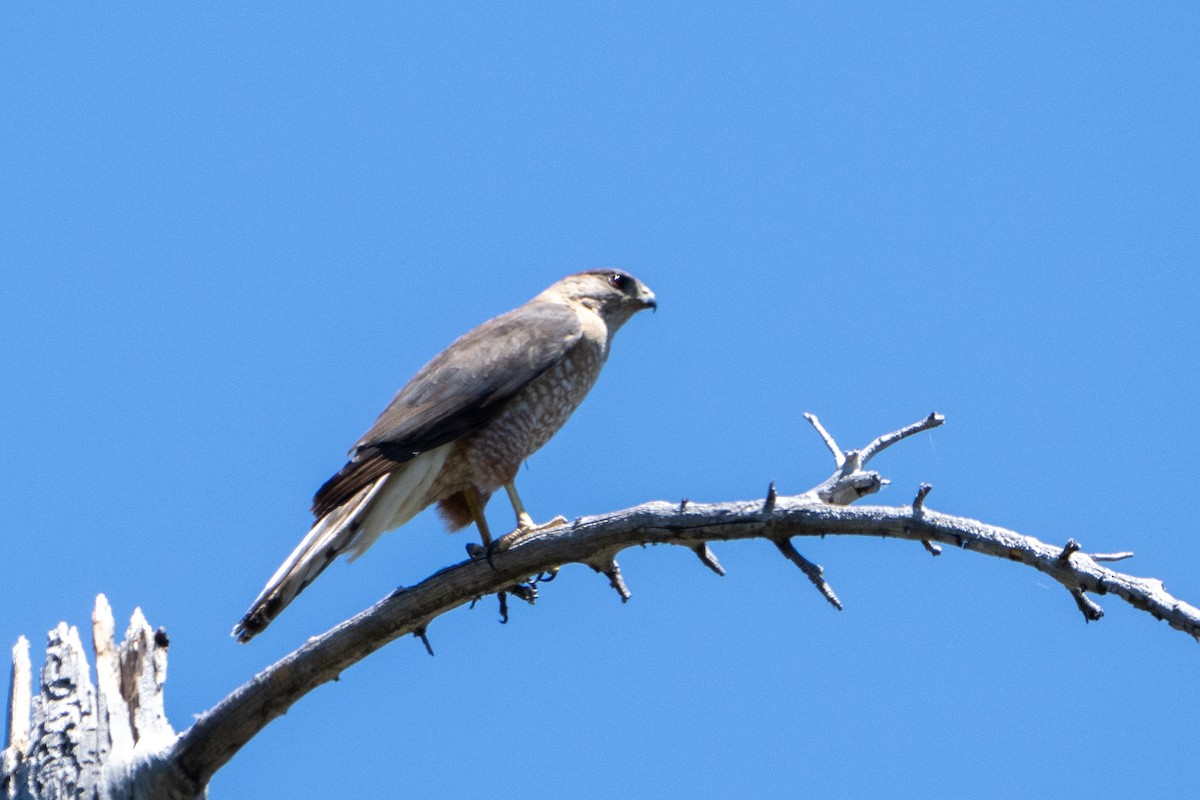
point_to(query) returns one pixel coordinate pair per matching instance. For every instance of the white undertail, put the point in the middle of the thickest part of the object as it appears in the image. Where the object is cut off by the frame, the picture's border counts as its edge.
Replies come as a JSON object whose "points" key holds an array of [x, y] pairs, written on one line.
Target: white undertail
{"points": [[351, 528]]}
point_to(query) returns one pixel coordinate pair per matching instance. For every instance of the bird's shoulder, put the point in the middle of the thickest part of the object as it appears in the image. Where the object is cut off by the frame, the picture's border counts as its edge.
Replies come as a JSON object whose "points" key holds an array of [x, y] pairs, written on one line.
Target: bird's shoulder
{"points": [[484, 366]]}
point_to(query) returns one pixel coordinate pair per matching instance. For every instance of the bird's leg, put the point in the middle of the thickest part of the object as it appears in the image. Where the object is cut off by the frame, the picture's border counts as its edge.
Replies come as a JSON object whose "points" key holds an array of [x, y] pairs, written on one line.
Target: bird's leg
{"points": [[525, 523], [526, 592], [476, 508]]}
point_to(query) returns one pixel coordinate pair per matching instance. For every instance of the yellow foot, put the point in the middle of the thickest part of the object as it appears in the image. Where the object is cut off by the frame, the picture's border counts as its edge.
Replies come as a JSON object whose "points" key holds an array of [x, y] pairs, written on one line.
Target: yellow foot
{"points": [[525, 527]]}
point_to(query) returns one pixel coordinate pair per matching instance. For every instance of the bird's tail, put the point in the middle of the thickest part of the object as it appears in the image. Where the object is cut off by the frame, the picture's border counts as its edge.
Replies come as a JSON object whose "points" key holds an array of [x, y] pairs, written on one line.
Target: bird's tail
{"points": [[329, 536]]}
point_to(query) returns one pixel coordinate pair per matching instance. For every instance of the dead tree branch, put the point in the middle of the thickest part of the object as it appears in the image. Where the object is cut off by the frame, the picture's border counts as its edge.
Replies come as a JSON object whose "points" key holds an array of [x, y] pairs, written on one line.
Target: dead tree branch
{"points": [[184, 765]]}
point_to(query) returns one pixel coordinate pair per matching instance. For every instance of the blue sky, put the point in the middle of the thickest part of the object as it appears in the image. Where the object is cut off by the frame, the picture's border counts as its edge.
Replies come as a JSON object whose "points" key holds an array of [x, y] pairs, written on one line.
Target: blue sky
{"points": [[231, 232]]}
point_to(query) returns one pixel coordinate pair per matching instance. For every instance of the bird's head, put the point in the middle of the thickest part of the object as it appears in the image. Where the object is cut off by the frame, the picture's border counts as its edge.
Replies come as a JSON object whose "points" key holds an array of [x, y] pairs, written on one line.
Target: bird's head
{"points": [[612, 293]]}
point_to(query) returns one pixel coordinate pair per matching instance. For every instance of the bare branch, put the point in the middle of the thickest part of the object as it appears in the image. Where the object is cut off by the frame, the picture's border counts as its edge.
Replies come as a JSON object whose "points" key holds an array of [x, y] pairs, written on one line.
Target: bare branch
{"points": [[612, 571], [218, 734], [839, 458], [918, 507], [420, 634], [922, 492], [707, 558], [183, 769], [772, 496], [1092, 612], [815, 573], [887, 440], [594, 541], [1069, 549]]}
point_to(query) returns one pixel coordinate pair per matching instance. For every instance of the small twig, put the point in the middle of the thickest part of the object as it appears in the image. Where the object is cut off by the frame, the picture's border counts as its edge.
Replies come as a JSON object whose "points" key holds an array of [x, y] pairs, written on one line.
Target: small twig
{"points": [[1110, 557], [839, 458], [888, 439], [814, 572], [772, 496], [613, 572], [918, 507], [1069, 549], [707, 558], [922, 492], [420, 634], [1091, 611]]}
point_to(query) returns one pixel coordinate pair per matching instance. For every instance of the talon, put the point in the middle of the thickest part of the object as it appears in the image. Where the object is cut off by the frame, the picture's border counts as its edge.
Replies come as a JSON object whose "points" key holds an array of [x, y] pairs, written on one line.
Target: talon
{"points": [[525, 523], [524, 591], [545, 577], [526, 527], [477, 552]]}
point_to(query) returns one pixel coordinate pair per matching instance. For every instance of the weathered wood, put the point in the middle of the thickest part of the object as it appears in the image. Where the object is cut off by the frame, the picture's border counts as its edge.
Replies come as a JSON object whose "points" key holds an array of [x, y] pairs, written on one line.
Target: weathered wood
{"points": [[114, 741], [79, 740], [64, 755], [17, 723]]}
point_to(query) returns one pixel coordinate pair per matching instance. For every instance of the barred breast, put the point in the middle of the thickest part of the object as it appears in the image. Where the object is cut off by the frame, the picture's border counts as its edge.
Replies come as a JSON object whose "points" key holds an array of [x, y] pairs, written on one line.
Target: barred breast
{"points": [[495, 453]]}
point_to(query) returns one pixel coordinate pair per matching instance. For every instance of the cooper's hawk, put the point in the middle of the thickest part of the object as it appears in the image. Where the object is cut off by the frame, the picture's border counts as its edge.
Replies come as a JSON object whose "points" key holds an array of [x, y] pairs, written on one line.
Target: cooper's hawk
{"points": [[462, 426]]}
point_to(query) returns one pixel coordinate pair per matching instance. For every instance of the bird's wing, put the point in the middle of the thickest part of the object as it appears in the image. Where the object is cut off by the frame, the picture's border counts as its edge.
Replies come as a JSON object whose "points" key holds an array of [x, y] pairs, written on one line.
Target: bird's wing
{"points": [[456, 393]]}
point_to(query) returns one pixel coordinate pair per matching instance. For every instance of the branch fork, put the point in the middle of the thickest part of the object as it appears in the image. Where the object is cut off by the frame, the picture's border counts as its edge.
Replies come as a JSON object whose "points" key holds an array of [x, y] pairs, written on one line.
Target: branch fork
{"points": [[848, 483]]}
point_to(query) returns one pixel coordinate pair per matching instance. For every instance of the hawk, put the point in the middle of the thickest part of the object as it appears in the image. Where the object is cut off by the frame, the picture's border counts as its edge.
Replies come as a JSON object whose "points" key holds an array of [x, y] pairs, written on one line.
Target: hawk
{"points": [[461, 427]]}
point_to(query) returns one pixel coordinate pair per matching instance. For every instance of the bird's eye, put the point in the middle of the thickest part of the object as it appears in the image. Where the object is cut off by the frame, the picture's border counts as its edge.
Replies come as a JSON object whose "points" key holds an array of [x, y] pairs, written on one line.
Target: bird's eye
{"points": [[618, 281]]}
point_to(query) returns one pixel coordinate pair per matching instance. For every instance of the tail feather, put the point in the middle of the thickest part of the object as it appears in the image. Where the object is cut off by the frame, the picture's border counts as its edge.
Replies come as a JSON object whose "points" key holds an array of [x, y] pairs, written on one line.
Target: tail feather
{"points": [[330, 536], [389, 502]]}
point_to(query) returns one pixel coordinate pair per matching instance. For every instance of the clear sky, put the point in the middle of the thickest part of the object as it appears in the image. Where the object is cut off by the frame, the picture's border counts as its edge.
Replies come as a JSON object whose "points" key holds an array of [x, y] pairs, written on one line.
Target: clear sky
{"points": [[229, 232]]}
